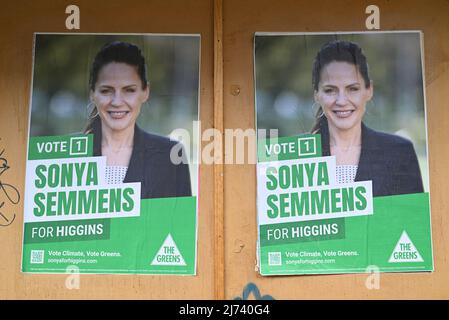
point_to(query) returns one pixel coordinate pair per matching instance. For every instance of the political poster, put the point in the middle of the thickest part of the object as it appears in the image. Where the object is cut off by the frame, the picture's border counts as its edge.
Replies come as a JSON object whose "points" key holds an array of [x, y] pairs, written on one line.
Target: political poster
{"points": [[343, 186], [109, 186]]}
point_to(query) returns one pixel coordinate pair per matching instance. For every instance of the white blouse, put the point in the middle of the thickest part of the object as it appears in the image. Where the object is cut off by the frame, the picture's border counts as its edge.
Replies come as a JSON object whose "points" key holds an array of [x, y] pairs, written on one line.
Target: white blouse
{"points": [[346, 173], [115, 174]]}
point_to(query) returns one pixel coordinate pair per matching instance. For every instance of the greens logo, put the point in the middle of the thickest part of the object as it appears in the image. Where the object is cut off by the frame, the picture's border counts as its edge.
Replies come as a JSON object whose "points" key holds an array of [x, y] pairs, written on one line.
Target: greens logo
{"points": [[405, 251], [168, 254]]}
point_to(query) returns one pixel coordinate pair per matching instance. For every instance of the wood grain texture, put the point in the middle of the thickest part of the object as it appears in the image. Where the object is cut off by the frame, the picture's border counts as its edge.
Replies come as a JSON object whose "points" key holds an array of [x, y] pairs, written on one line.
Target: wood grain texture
{"points": [[18, 21], [241, 20]]}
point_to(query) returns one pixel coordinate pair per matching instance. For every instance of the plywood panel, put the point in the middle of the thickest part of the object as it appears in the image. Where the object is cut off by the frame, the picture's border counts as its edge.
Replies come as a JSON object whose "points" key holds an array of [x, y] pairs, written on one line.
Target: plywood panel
{"points": [[241, 20], [18, 21]]}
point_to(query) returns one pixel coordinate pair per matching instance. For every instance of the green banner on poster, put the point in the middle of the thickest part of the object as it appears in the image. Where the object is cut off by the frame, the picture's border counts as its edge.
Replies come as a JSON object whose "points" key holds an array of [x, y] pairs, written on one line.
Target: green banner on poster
{"points": [[311, 224]]}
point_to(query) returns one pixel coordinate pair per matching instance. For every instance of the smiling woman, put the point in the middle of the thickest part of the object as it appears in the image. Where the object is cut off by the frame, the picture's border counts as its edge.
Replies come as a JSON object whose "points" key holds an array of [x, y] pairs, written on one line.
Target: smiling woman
{"points": [[342, 88], [118, 88]]}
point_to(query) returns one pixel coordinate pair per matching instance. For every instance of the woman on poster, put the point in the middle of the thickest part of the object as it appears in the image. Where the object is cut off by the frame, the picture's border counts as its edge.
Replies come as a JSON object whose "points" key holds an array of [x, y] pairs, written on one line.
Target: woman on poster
{"points": [[342, 88], [118, 88]]}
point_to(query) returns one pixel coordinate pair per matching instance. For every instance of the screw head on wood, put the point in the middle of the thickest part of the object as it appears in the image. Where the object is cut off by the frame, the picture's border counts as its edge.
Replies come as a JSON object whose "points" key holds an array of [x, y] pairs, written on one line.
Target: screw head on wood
{"points": [[235, 90]]}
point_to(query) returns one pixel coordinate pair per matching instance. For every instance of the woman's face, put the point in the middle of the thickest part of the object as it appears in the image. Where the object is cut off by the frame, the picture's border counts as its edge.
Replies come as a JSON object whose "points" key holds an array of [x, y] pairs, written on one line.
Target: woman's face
{"points": [[118, 95], [343, 95]]}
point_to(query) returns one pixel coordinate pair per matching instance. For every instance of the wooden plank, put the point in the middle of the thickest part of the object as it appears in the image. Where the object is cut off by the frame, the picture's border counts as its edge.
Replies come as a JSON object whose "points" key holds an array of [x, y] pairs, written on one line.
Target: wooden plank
{"points": [[219, 281], [241, 20], [18, 21]]}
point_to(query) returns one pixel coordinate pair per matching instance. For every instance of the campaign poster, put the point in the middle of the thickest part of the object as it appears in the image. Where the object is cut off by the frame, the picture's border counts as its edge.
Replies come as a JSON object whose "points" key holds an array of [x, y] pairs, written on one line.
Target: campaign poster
{"points": [[343, 187], [111, 184]]}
